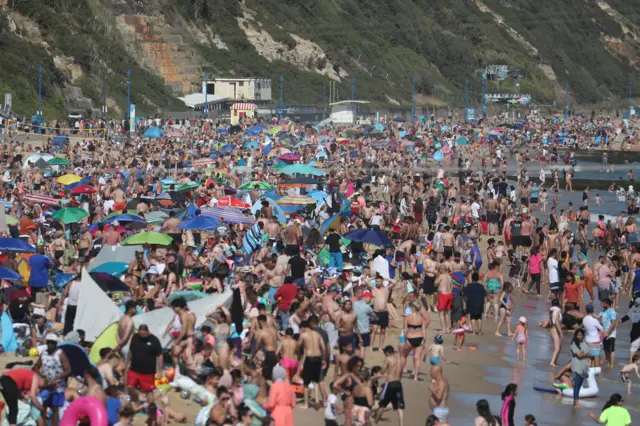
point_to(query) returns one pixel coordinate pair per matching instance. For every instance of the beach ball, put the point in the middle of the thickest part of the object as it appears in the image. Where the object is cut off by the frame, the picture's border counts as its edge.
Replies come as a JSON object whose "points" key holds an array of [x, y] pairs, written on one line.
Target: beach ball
{"points": [[169, 373], [185, 395], [33, 352]]}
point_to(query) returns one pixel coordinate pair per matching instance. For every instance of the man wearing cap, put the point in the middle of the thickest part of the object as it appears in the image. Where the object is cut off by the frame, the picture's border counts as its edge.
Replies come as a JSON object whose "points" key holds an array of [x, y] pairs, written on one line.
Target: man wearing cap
{"points": [[364, 314], [144, 361], [53, 365]]}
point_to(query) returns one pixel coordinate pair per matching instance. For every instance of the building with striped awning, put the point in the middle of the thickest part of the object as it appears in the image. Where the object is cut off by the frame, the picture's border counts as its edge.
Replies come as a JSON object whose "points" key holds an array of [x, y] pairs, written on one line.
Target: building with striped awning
{"points": [[241, 111]]}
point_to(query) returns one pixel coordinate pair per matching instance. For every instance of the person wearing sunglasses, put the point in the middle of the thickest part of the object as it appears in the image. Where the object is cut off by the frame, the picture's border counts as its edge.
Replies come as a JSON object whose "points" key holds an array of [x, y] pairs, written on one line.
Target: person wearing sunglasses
{"points": [[245, 416], [221, 410]]}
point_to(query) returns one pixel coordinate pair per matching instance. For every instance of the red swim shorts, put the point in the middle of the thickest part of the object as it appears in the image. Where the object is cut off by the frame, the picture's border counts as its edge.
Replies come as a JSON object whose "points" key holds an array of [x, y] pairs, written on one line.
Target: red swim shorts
{"points": [[444, 302], [145, 382]]}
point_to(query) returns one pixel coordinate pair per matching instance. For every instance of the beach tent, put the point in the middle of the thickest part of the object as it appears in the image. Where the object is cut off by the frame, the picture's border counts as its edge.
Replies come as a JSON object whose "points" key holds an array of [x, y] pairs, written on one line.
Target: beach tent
{"points": [[108, 254], [159, 319], [96, 310], [153, 133], [8, 338], [107, 339]]}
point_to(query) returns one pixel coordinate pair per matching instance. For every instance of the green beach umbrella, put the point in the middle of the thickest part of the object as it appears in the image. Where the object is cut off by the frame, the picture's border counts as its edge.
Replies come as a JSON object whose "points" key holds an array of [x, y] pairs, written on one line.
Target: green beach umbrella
{"points": [[69, 215], [279, 166], [302, 169], [187, 186], [57, 161], [274, 130], [148, 237], [254, 183]]}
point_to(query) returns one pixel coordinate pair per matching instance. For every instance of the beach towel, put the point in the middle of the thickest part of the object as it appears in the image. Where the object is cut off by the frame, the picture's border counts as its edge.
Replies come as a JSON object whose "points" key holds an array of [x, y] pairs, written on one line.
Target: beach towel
{"points": [[252, 241]]}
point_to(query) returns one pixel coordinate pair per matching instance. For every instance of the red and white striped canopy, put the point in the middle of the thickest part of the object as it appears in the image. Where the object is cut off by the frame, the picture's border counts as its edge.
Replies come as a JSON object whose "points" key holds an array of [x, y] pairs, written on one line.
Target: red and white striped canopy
{"points": [[245, 106], [36, 198]]}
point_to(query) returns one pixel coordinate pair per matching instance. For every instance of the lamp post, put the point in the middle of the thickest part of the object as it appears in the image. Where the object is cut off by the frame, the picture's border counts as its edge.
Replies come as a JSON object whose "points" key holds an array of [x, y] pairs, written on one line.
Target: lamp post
{"points": [[484, 97], [281, 92], [466, 101], [353, 88], [566, 100], [413, 99], [128, 92], [104, 97], [39, 93], [205, 110]]}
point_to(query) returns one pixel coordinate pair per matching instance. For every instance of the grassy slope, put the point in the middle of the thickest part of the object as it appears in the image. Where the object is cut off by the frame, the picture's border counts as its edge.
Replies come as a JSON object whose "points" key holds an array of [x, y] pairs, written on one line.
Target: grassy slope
{"points": [[439, 43]]}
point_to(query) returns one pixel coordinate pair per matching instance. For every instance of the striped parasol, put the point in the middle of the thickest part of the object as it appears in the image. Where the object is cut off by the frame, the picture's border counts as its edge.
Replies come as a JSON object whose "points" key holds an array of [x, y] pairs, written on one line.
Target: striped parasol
{"points": [[36, 198], [228, 215], [203, 162], [295, 200]]}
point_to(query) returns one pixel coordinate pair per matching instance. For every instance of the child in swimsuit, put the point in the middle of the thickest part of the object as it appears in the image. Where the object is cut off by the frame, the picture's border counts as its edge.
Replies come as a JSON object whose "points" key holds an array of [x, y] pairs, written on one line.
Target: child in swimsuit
{"points": [[630, 368], [436, 351]]}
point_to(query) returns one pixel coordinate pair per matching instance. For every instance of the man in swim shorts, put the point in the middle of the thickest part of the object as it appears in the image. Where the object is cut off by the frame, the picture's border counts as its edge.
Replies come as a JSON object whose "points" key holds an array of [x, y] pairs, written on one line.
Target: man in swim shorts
{"points": [[445, 300], [312, 344], [439, 389], [392, 391]]}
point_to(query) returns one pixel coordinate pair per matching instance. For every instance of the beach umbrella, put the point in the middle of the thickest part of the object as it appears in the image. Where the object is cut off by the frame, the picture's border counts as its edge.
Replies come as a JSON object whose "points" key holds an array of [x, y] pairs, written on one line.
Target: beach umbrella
{"points": [[187, 186], [15, 245], [318, 196], [33, 158], [438, 156], [369, 236], [252, 185], [201, 223], [148, 237], [61, 279], [295, 200], [168, 181], [302, 169], [229, 215], [153, 133], [222, 131], [202, 162], [289, 157], [9, 274], [123, 218], [112, 268], [228, 147], [229, 201], [331, 223], [462, 141], [156, 217], [83, 189], [108, 283], [301, 180], [187, 295], [78, 359], [274, 130], [69, 215], [57, 161], [69, 178]]}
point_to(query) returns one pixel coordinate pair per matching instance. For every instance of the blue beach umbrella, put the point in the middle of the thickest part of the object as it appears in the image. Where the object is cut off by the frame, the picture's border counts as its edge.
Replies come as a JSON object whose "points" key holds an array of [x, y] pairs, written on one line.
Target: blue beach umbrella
{"points": [[153, 133]]}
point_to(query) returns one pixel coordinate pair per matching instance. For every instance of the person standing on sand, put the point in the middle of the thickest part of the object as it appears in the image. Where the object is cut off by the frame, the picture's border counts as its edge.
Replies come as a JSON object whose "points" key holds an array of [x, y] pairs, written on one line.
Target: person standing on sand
{"points": [[392, 391], [445, 299], [439, 390], [312, 346], [381, 309]]}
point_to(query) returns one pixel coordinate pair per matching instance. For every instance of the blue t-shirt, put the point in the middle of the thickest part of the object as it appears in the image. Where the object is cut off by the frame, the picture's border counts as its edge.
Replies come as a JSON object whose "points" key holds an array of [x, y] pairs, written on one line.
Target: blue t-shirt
{"points": [[392, 270], [636, 281], [475, 251], [113, 405], [363, 311], [608, 317], [40, 265]]}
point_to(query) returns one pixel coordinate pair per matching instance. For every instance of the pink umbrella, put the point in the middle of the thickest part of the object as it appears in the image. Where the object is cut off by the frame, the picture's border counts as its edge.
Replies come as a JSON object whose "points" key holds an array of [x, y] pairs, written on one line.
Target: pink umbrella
{"points": [[289, 157]]}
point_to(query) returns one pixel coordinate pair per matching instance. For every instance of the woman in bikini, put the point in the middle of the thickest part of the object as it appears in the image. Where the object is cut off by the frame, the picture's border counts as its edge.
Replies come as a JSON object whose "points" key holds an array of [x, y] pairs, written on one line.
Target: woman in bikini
{"points": [[414, 331], [346, 384], [506, 307]]}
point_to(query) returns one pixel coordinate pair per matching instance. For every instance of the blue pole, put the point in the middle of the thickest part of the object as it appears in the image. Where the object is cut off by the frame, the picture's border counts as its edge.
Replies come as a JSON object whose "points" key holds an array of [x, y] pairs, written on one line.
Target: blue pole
{"points": [[281, 91], [205, 110], [353, 88], [413, 99], [566, 100], [39, 93], [484, 97], [629, 95], [466, 101], [128, 92]]}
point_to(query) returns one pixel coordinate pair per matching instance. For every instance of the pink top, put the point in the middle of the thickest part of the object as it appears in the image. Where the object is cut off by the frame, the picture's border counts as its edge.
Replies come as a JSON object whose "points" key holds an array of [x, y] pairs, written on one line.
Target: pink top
{"points": [[534, 263]]}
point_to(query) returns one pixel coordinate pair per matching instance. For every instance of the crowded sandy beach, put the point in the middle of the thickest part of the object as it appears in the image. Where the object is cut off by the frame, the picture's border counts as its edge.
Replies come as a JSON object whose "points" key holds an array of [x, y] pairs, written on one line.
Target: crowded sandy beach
{"points": [[275, 273]]}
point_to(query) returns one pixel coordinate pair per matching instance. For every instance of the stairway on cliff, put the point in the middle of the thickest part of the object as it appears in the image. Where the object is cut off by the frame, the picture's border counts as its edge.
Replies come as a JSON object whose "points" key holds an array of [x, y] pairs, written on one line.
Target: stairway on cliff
{"points": [[157, 47]]}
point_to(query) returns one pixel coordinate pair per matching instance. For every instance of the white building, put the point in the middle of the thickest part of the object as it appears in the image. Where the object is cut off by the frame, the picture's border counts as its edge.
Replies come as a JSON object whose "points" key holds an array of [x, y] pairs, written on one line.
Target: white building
{"points": [[253, 89], [345, 112]]}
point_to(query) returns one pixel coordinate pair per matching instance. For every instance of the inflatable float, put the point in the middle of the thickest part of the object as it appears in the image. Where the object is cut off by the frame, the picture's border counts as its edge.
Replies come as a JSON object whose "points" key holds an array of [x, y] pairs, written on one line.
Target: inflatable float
{"points": [[589, 388], [81, 408]]}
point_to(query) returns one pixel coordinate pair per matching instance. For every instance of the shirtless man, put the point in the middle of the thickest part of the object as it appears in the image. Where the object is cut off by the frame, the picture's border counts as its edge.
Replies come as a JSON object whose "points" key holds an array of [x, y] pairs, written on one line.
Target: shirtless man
{"points": [[346, 352], [37, 181], [183, 344], [445, 299], [287, 353], [170, 227], [125, 329], [292, 237], [392, 391], [111, 237], [85, 243], [273, 229], [266, 338], [312, 346], [447, 238], [92, 380], [273, 277], [346, 325], [493, 215], [430, 267], [330, 312], [380, 307], [439, 389]]}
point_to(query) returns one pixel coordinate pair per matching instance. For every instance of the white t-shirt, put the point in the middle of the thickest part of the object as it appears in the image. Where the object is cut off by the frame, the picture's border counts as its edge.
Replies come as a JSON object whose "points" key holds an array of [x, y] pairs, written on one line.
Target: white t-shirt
{"points": [[592, 329], [330, 411], [376, 220], [552, 266], [474, 209]]}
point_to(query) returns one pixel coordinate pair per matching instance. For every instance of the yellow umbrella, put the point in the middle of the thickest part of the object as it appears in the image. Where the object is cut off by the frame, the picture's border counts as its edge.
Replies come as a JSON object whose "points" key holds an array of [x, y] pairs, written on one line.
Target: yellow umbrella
{"points": [[275, 130], [68, 179]]}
